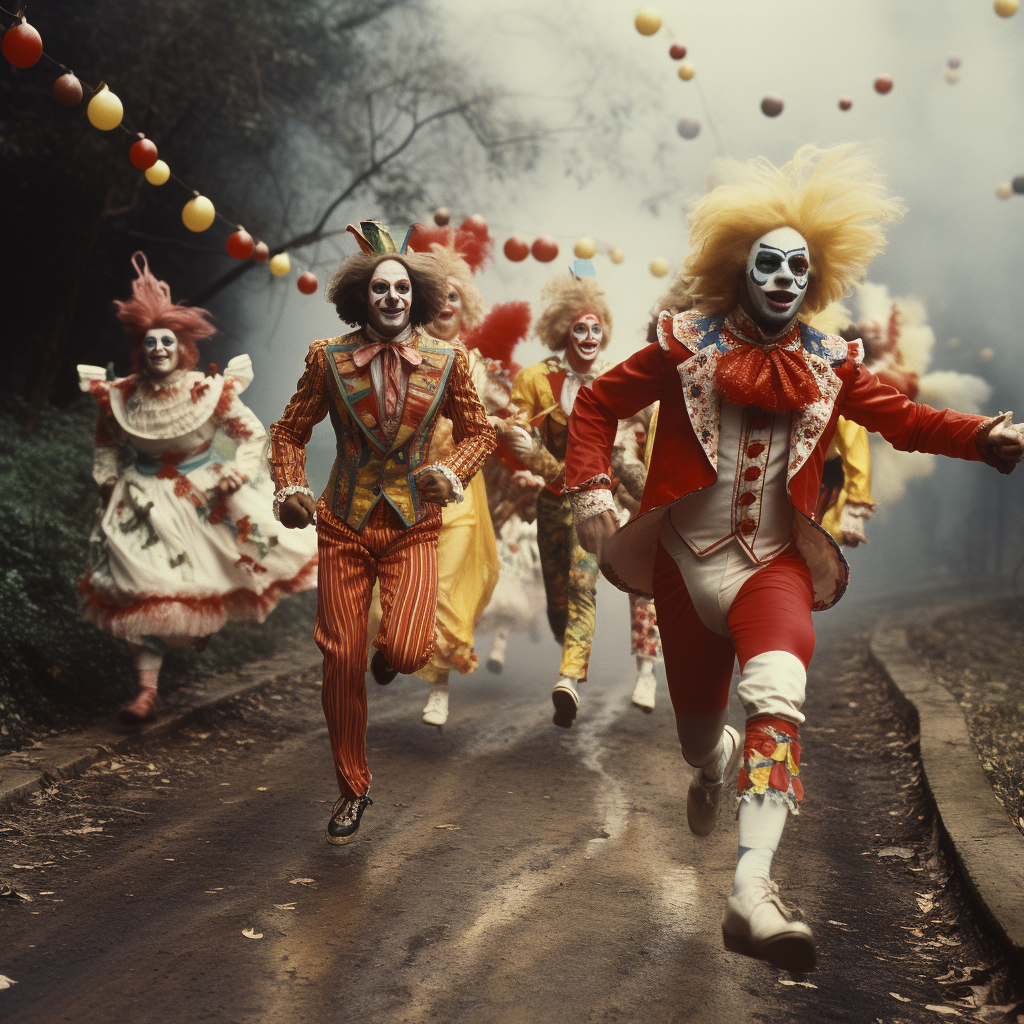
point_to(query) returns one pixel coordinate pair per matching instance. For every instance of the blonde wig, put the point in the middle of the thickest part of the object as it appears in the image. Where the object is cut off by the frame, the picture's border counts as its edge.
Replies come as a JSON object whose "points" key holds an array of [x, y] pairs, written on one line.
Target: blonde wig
{"points": [[834, 197], [460, 274], [568, 298], [835, 317]]}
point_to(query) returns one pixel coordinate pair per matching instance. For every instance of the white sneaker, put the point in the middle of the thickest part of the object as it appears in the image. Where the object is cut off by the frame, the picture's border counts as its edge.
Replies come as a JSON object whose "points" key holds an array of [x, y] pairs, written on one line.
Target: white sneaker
{"points": [[566, 699], [643, 692], [704, 795], [436, 711], [496, 661], [757, 923]]}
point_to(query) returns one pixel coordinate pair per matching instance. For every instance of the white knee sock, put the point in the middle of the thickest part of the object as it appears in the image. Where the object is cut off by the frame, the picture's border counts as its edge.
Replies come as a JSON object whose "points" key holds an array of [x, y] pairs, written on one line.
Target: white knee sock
{"points": [[761, 822], [644, 666]]}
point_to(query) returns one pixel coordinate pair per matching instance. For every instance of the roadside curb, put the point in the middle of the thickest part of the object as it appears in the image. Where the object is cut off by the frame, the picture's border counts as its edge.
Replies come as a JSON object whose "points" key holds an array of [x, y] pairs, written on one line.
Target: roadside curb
{"points": [[67, 756], [987, 849]]}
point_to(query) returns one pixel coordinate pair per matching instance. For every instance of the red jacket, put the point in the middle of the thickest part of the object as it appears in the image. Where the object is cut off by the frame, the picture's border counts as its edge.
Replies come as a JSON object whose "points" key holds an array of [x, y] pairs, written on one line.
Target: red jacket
{"points": [[679, 372]]}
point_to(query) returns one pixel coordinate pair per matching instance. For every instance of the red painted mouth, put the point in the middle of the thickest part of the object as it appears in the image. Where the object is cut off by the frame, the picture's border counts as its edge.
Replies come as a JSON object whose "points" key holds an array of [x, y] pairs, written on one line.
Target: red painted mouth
{"points": [[780, 300]]}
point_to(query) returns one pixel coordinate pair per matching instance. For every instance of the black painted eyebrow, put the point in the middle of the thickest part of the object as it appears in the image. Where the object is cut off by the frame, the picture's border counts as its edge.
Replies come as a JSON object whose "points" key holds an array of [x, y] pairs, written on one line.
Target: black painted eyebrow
{"points": [[785, 252]]}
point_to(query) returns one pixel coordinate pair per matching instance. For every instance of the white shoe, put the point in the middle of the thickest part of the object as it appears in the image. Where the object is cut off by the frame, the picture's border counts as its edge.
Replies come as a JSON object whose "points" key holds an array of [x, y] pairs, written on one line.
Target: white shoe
{"points": [[704, 795], [566, 699], [757, 923], [436, 711], [643, 692], [496, 661]]}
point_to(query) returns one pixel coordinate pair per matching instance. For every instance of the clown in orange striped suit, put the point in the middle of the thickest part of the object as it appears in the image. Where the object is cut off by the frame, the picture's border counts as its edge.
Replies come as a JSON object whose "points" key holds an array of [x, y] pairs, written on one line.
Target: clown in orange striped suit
{"points": [[384, 387]]}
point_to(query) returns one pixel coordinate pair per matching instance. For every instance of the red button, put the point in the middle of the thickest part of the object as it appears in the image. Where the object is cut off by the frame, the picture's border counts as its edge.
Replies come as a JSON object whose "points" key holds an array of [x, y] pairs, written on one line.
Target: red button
{"points": [[747, 527], [755, 449], [760, 421], [752, 473], [747, 498]]}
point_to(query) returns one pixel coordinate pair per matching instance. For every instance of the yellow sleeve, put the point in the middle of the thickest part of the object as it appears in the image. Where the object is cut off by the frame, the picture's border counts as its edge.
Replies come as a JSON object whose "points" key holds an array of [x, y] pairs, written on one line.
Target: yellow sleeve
{"points": [[851, 441]]}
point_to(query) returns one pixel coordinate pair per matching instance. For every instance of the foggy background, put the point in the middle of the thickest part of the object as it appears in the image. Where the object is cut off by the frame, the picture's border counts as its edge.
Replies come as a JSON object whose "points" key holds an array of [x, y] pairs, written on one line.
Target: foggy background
{"points": [[943, 147]]}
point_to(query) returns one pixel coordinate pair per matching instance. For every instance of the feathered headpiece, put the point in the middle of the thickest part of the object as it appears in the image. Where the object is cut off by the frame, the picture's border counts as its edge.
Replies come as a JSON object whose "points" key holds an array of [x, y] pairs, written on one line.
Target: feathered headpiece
{"points": [[471, 240], [500, 331], [151, 306]]}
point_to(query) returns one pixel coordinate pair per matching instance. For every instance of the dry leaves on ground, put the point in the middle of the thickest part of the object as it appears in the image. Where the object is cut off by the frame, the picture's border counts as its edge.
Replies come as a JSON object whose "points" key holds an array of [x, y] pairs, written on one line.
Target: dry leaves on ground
{"points": [[251, 933]]}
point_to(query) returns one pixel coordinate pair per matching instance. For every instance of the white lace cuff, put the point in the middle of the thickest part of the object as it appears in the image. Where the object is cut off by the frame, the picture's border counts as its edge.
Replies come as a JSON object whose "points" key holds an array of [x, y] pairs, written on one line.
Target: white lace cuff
{"points": [[452, 478], [587, 504], [285, 493]]}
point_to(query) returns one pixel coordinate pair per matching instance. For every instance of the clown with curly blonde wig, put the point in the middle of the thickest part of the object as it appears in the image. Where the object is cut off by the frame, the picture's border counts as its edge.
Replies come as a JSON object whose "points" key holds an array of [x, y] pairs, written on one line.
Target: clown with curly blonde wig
{"points": [[185, 540], [725, 539], [576, 325]]}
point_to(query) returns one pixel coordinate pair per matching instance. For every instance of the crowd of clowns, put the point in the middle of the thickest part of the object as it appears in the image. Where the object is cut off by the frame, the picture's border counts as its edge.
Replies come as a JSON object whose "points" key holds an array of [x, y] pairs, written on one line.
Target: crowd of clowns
{"points": [[714, 476]]}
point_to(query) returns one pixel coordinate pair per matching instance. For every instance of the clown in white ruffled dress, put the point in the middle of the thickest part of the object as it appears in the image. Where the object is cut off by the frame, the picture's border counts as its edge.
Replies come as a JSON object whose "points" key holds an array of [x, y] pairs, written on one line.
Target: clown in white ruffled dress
{"points": [[185, 538]]}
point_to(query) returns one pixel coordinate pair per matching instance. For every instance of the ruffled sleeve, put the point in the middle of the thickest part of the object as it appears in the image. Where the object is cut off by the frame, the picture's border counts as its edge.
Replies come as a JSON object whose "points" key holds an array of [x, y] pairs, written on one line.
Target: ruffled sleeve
{"points": [[242, 425], [239, 370]]}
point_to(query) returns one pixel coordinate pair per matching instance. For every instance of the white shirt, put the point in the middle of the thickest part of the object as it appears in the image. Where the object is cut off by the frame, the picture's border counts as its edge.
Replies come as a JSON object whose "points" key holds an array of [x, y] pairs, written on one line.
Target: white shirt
{"points": [[749, 502]]}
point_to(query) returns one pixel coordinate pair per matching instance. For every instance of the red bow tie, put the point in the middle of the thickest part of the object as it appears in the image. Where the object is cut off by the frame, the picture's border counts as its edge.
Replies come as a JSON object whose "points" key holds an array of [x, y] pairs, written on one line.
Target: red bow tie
{"points": [[774, 379], [394, 353]]}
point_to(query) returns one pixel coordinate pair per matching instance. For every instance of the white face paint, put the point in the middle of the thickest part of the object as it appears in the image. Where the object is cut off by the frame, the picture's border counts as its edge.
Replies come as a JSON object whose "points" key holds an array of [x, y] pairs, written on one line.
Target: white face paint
{"points": [[390, 299], [585, 337], [449, 320], [777, 270], [160, 352]]}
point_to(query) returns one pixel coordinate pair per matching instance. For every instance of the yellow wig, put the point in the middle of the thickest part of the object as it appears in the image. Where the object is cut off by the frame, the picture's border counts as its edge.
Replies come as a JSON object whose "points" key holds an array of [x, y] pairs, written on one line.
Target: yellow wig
{"points": [[567, 299], [460, 274], [834, 197]]}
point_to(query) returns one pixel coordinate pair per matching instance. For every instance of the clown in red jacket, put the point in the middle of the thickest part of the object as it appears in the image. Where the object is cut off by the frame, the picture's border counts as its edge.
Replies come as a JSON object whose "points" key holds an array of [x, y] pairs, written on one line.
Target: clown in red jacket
{"points": [[725, 539]]}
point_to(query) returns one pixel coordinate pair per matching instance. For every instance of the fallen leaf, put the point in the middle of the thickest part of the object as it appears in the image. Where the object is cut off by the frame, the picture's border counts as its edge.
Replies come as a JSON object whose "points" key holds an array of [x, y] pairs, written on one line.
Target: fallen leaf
{"points": [[251, 933], [285, 906], [838, 924], [262, 789], [84, 830], [6, 889], [49, 892], [450, 828], [896, 851], [302, 881], [802, 984], [6, 982], [902, 999], [947, 1010]]}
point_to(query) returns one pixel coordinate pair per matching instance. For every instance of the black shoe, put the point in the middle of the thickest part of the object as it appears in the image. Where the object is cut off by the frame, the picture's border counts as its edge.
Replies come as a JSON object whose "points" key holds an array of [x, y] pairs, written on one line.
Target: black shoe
{"points": [[566, 700], [381, 671], [344, 823]]}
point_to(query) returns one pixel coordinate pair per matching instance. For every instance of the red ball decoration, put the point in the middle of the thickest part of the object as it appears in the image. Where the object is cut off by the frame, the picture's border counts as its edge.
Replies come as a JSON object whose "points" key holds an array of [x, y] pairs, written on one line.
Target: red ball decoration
{"points": [[845, 103], [545, 249], [517, 249], [143, 154], [67, 90], [883, 83], [22, 45], [307, 283], [261, 252], [476, 224], [771, 106], [240, 245], [442, 216], [677, 51]]}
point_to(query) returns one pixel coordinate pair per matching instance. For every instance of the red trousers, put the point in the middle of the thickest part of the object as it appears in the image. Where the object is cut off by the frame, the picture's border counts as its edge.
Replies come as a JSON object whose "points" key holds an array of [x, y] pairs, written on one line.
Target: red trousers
{"points": [[404, 559], [771, 612]]}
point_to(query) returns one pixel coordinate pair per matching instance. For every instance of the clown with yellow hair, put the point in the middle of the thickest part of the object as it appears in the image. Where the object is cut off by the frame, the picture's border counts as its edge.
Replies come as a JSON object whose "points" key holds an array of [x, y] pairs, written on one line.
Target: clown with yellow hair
{"points": [[576, 325], [725, 539]]}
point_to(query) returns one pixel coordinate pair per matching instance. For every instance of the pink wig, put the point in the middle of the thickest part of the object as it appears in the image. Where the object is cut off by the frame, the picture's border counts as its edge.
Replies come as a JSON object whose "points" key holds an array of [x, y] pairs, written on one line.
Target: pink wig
{"points": [[471, 240], [151, 306]]}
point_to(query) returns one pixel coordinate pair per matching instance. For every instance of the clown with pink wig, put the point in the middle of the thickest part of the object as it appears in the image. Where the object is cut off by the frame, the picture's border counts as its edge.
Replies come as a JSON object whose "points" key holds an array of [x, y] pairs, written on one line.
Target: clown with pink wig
{"points": [[185, 537]]}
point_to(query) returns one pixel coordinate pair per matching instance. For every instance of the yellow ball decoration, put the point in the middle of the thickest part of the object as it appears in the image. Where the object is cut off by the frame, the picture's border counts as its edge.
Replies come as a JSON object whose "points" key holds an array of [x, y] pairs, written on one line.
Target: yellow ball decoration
{"points": [[648, 21], [659, 266], [686, 71], [158, 173], [616, 255], [197, 214], [280, 264], [584, 249], [986, 355], [105, 110], [1004, 190], [1006, 8]]}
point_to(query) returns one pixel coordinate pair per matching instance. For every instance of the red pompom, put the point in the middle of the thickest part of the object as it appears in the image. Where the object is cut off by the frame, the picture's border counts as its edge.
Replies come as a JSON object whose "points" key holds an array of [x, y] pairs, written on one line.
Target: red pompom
{"points": [[471, 240], [500, 331]]}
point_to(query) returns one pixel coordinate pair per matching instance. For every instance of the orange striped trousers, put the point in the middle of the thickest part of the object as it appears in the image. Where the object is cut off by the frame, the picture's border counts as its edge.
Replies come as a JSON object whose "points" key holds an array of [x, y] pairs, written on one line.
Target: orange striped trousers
{"points": [[404, 559]]}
